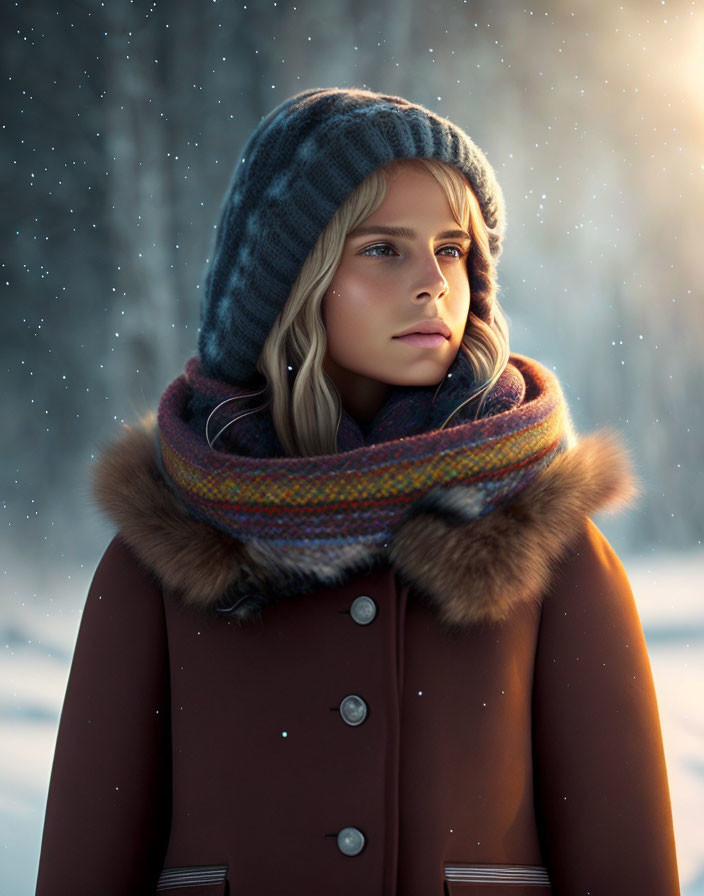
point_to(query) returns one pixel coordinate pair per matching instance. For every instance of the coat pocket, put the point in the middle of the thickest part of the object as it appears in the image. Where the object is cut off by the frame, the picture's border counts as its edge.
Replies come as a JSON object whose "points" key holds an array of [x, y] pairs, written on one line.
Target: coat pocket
{"points": [[497, 880], [193, 880]]}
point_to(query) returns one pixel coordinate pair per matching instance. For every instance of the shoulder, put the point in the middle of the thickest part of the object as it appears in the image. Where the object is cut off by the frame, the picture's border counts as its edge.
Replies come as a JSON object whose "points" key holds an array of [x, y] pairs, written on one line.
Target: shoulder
{"points": [[590, 573], [123, 618], [120, 563], [589, 614], [119, 558], [122, 587]]}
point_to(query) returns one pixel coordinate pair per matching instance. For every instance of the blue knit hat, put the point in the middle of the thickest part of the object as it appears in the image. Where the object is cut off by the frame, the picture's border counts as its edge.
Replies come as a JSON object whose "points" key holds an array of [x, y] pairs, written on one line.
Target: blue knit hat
{"points": [[298, 166]]}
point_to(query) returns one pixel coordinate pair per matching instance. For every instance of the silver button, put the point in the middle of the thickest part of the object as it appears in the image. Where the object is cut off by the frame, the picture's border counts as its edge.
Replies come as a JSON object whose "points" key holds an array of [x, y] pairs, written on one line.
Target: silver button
{"points": [[363, 610], [353, 710], [350, 841]]}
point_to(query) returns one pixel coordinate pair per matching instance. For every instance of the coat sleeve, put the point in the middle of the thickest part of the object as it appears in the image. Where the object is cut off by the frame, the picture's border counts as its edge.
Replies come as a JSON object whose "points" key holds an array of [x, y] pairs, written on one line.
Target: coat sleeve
{"points": [[602, 798], [108, 810]]}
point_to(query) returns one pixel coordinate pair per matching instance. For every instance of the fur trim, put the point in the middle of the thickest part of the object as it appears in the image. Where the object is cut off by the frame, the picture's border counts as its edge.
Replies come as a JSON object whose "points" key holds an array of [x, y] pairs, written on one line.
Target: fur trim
{"points": [[478, 571], [471, 570]]}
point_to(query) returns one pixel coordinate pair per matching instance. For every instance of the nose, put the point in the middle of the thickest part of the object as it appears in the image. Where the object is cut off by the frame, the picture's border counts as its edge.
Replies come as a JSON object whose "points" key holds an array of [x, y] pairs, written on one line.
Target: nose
{"points": [[431, 280]]}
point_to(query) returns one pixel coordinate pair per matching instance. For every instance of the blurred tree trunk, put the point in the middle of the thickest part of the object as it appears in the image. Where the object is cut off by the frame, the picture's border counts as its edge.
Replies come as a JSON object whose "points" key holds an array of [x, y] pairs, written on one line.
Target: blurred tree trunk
{"points": [[140, 204]]}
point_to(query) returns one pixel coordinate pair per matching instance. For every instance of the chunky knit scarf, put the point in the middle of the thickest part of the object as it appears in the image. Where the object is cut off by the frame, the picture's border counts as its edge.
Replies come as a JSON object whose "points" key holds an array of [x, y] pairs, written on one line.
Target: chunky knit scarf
{"points": [[318, 506]]}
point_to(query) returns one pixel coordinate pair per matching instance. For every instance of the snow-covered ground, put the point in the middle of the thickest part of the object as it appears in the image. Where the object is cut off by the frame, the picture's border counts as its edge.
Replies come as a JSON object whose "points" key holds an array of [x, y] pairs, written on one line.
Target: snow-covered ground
{"points": [[38, 631]]}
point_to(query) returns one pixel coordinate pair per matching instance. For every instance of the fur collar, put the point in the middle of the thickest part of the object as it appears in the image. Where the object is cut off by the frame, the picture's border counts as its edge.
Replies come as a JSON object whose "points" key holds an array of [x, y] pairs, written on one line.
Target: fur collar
{"points": [[469, 570]]}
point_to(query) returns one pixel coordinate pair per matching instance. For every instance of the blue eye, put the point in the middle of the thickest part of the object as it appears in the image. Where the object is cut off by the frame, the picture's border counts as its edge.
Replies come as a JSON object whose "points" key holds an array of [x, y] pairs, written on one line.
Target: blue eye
{"points": [[377, 246], [370, 249]]}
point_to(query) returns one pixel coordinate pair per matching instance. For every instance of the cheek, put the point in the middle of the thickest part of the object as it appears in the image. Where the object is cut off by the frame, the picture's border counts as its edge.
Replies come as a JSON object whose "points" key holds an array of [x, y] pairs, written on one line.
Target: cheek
{"points": [[334, 315], [353, 322], [336, 319], [348, 301], [460, 294]]}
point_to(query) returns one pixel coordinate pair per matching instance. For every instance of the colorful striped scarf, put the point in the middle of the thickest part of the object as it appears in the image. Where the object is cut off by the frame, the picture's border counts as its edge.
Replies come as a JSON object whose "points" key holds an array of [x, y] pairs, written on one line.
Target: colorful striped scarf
{"points": [[320, 506]]}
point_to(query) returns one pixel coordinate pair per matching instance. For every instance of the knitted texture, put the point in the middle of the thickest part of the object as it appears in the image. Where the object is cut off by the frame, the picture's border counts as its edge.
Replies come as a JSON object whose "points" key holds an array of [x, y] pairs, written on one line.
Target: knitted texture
{"points": [[406, 411], [297, 167], [319, 505]]}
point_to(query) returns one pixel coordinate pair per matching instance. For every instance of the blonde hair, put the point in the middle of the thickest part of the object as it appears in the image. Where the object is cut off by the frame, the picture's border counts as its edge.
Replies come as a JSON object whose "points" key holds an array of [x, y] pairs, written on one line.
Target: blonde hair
{"points": [[307, 414]]}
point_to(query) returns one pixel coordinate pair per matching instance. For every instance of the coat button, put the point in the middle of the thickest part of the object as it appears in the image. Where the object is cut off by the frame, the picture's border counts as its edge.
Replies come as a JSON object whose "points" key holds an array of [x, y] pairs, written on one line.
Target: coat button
{"points": [[350, 841], [363, 610], [353, 710]]}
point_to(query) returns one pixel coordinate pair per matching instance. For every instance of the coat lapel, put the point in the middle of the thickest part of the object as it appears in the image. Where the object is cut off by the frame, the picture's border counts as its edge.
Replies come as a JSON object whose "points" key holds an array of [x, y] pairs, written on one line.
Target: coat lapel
{"points": [[470, 570]]}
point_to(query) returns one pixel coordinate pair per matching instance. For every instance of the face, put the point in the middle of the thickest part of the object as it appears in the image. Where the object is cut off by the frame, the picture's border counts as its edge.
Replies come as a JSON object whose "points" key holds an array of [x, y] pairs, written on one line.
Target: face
{"points": [[405, 264]]}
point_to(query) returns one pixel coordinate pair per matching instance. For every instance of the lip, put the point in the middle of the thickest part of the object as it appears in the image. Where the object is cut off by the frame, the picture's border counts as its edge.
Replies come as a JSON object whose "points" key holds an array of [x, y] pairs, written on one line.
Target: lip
{"points": [[436, 325], [423, 340]]}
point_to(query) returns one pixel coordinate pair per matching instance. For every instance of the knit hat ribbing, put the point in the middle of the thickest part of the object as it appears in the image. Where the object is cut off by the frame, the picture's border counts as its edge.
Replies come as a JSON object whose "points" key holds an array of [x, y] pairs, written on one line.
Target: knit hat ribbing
{"points": [[297, 167]]}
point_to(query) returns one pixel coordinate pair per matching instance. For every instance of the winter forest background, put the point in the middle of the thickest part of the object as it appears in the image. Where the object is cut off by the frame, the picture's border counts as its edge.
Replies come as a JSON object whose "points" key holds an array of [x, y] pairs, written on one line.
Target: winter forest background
{"points": [[121, 124]]}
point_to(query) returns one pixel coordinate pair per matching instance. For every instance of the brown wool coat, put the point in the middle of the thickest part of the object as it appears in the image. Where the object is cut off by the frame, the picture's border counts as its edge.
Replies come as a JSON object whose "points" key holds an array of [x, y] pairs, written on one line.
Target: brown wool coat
{"points": [[511, 743]]}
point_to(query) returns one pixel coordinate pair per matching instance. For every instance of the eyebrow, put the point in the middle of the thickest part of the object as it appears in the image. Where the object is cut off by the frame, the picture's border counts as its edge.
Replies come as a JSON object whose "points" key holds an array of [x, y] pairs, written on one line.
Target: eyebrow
{"points": [[407, 233]]}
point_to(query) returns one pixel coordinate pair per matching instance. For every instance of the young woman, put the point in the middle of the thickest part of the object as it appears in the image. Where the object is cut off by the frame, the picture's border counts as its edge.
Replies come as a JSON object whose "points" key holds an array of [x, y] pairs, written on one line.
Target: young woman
{"points": [[356, 632]]}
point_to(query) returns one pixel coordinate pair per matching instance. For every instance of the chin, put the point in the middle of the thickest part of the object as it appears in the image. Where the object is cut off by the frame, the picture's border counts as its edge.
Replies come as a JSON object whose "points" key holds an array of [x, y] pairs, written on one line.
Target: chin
{"points": [[431, 378]]}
